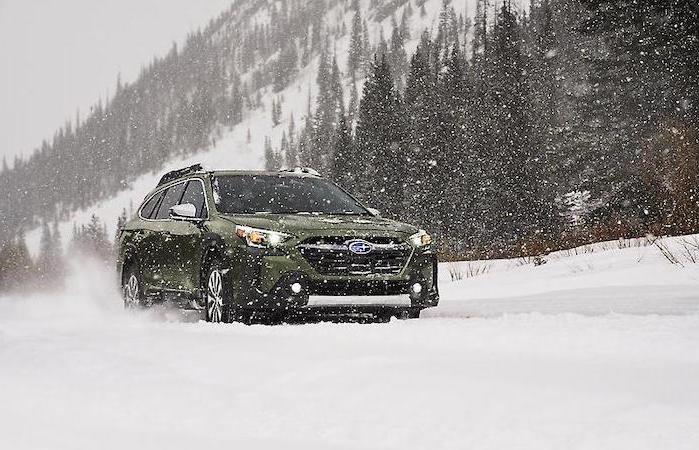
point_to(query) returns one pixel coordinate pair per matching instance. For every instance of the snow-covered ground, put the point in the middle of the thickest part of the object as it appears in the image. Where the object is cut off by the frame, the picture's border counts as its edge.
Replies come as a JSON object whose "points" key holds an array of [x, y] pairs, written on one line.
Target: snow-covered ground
{"points": [[598, 350], [629, 276]]}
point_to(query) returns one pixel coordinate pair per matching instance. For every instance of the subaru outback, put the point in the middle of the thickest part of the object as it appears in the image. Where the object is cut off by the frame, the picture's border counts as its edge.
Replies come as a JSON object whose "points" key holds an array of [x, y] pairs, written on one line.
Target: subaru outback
{"points": [[236, 245]]}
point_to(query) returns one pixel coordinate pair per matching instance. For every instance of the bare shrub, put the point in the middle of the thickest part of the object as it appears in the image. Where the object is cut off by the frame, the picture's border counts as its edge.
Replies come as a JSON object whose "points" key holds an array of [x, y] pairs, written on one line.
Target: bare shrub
{"points": [[537, 260], [684, 253], [668, 253], [474, 269], [690, 249], [470, 269], [455, 272]]}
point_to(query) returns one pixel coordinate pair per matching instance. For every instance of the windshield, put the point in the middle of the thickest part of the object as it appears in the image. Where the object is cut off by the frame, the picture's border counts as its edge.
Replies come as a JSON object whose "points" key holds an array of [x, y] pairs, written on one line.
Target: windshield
{"points": [[250, 194]]}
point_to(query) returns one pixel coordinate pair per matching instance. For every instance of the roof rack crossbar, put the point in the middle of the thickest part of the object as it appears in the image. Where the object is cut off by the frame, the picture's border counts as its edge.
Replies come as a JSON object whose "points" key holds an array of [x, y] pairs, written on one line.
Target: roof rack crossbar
{"points": [[304, 170], [179, 173]]}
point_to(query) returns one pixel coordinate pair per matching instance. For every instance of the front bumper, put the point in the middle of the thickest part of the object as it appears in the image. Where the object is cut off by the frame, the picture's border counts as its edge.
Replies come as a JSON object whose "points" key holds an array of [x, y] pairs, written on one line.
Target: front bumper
{"points": [[359, 300], [265, 284]]}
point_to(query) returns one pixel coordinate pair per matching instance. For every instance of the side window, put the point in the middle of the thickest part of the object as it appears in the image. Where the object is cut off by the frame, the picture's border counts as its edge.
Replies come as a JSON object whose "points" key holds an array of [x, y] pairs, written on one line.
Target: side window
{"points": [[172, 197], [195, 195], [149, 208]]}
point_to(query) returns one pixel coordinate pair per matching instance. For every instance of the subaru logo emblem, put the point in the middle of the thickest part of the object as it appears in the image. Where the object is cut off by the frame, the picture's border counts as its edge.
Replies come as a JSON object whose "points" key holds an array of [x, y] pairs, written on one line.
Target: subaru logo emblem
{"points": [[359, 247]]}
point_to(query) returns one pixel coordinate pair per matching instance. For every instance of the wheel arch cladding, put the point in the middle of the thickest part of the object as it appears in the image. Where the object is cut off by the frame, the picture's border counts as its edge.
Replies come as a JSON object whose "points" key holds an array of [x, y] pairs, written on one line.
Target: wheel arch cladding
{"points": [[213, 247], [129, 258]]}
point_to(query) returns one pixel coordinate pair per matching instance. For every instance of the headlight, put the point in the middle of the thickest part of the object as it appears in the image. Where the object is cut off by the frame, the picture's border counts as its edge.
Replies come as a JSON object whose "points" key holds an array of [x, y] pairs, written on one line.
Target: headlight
{"points": [[256, 237], [420, 239]]}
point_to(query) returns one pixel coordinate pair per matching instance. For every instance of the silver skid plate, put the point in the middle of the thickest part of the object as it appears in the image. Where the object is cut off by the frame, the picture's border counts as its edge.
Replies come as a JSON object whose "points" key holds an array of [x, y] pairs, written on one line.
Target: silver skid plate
{"points": [[336, 300]]}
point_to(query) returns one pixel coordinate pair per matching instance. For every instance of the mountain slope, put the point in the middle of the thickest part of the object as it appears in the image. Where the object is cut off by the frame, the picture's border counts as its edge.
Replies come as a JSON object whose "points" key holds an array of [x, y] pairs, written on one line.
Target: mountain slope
{"points": [[241, 144]]}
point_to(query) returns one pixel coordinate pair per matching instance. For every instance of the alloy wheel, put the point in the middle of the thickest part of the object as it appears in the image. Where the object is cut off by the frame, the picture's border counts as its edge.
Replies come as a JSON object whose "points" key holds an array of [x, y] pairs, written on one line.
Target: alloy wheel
{"points": [[214, 297], [131, 292]]}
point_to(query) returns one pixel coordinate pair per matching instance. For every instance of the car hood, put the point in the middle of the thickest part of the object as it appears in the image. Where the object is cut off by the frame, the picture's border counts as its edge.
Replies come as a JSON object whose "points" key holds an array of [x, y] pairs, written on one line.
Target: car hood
{"points": [[303, 223]]}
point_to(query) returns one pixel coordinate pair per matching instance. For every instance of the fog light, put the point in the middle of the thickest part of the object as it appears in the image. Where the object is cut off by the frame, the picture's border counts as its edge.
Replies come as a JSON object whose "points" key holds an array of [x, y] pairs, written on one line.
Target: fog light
{"points": [[296, 288], [417, 288]]}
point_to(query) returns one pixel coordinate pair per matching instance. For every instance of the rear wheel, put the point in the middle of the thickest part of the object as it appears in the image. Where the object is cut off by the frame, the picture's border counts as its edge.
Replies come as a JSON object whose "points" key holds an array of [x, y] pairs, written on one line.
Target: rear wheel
{"points": [[131, 287]]}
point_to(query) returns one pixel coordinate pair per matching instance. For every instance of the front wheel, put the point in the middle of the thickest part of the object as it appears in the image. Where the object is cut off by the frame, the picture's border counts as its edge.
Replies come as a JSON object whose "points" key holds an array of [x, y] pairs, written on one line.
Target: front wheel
{"points": [[215, 293], [410, 313]]}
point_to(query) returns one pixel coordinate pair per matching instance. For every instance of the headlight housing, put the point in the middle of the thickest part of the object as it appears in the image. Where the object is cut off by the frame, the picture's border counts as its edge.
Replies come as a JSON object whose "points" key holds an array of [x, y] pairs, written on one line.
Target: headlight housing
{"points": [[420, 239], [256, 237]]}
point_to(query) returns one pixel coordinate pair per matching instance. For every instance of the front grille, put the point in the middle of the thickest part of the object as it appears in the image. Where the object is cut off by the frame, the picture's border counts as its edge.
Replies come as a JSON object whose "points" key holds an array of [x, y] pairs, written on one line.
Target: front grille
{"points": [[332, 256]]}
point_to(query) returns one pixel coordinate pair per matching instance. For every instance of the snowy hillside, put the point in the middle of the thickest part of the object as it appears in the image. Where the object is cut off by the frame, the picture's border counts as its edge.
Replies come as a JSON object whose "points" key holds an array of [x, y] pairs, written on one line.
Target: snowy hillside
{"points": [[232, 150], [88, 375]]}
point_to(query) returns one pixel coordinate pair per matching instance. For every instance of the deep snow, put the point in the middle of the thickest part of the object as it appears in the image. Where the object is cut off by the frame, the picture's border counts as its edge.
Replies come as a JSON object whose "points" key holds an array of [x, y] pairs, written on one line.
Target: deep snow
{"points": [[562, 372]]}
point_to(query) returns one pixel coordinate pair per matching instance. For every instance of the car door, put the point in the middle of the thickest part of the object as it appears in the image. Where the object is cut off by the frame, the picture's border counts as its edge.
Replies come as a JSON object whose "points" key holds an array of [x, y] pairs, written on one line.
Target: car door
{"points": [[185, 241], [146, 240], [163, 248]]}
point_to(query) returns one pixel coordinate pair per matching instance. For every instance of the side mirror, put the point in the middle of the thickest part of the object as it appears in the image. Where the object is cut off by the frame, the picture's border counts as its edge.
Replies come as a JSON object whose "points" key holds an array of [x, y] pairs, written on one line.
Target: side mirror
{"points": [[185, 211], [374, 212]]}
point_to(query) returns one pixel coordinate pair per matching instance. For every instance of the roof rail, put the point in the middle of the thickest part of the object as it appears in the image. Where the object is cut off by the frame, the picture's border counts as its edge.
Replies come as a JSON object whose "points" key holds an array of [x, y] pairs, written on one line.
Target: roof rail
{"points": [[179, 173], [304, 170]]}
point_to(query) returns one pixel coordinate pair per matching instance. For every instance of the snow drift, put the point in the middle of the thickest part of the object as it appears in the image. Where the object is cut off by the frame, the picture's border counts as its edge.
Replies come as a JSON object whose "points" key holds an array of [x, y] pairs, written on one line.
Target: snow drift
{"points": [[79, 372]]}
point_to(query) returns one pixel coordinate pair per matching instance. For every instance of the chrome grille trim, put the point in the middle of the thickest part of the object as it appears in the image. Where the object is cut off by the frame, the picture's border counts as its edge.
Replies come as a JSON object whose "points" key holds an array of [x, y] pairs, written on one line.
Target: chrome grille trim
{"points": [[335, 258]]}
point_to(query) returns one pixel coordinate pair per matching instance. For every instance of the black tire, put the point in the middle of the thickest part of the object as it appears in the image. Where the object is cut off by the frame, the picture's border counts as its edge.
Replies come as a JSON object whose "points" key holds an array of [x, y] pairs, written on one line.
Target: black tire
{"points": [[383, 317], [132, 287], [409, 313], [237, 314]]}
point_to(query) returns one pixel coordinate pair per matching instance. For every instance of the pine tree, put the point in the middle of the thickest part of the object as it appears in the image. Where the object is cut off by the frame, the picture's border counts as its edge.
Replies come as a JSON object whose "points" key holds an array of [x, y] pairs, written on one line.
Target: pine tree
{"points": [[273, 161], [398, 59], [276, 112], [15, 263], [235, 108], [286, 66], [378, 165], [404, 24], [329, 107], [121, 221], [419, 142], [366, 47], [343, 152], [45, 261], [284, 151], [356, 59], [5, 252], [645, 90], [516, 167], [305, 143], [353, 102], [457, 168], [292, 154]]}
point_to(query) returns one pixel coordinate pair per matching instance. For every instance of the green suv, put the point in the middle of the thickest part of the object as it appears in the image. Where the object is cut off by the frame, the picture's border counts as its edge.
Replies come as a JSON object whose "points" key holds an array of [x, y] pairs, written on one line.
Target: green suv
{"points": [[241, 245]]}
